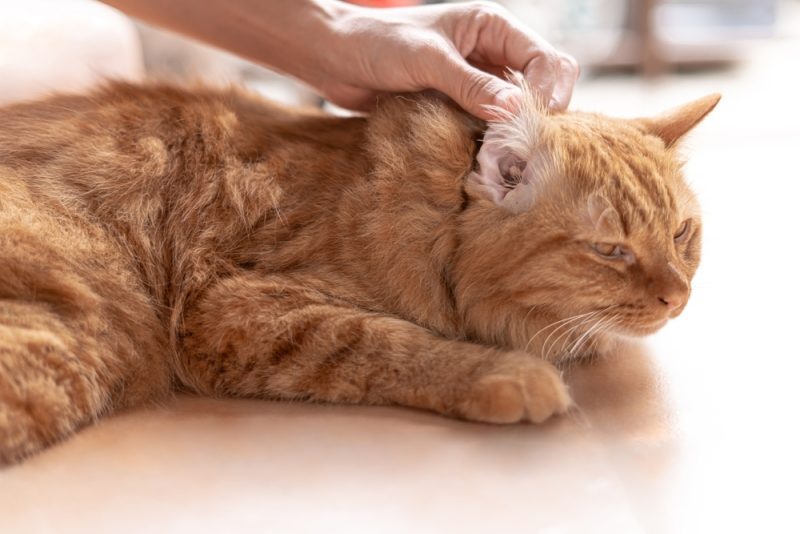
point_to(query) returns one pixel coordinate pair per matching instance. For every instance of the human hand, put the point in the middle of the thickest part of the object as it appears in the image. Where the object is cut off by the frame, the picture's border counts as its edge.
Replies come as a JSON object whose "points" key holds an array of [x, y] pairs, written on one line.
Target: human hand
{"points": [[461, 50]]}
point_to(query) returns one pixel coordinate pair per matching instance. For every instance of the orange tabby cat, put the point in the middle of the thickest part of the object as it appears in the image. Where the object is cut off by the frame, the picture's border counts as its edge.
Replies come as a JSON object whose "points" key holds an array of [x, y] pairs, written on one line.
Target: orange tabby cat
{"points": [[153, 237]]}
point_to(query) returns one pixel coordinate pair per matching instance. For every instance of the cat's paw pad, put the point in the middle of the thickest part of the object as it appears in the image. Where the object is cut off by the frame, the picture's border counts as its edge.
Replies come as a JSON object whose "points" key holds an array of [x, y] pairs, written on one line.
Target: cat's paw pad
{"points": [[528, 390]]}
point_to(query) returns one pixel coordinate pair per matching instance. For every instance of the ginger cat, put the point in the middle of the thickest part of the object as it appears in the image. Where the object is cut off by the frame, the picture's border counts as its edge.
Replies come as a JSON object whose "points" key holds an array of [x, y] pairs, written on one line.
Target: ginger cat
{"points": [[153, 237]]}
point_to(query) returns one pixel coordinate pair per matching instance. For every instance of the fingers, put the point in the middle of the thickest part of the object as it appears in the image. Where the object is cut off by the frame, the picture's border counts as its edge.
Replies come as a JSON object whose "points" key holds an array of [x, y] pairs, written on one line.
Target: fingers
{"points": [[541, 73], [565, 83], [462, 50], [498, 39], [473, 89], [553, 78]]}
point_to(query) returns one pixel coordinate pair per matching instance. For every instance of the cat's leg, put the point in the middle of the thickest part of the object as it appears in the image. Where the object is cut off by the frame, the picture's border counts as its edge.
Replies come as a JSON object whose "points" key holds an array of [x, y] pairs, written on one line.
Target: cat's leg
{"points": [[269, 338]]}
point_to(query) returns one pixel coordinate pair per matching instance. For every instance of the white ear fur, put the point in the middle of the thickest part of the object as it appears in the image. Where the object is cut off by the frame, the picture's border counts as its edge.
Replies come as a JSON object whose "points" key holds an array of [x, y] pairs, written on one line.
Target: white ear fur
{"points": [[499, 167], [510, 160]]}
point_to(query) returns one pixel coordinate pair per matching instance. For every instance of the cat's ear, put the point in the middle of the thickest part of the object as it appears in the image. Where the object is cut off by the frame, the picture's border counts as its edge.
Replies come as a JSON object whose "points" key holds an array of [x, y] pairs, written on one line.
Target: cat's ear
{"points": [[510, 162], [674, 124], [501, 170]]}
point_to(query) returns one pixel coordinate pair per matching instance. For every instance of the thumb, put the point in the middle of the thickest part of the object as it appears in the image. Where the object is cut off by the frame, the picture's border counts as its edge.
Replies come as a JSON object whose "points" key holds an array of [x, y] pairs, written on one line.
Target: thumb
{"points": [[474, 89]]}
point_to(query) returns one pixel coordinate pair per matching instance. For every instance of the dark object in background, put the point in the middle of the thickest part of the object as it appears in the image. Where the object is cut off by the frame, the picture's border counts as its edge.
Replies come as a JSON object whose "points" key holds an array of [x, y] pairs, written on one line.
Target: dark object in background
{"points": [[654, 36]]}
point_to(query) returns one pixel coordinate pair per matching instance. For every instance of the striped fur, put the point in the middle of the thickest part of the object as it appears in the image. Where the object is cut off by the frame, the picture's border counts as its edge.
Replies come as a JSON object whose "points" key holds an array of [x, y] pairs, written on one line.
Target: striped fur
{"points": [[153, 237]]}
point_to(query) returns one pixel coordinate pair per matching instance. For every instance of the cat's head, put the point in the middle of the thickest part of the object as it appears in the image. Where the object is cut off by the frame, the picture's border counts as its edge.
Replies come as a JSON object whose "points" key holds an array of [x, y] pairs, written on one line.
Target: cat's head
{"points": [[580, 218]]}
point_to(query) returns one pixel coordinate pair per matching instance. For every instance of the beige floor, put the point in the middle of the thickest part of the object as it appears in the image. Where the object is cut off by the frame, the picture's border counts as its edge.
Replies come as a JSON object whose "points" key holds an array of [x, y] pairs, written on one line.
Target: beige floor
{"points": [[696, 431]]}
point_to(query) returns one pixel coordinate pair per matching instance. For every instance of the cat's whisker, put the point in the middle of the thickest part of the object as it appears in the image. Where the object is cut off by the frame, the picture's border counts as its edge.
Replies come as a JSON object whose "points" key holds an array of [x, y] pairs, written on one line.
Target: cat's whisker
{"points": [[547, 348], [596, 320], [592, 345], [586, 334], [587, 317], [569, 332], [527, 345], [564, 323], [591, 333], [604, 327], [578, 328]]}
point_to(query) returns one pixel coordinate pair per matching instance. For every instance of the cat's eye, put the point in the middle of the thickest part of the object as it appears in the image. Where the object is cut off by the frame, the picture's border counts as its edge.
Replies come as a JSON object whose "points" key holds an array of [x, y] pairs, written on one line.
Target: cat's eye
{"points": [[682, 231], [610, 251]]}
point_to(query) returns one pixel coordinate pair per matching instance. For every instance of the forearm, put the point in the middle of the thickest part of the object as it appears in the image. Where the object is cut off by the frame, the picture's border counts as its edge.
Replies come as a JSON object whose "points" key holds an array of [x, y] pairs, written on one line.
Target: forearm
{"points": [[290, 36], [351, 54]]}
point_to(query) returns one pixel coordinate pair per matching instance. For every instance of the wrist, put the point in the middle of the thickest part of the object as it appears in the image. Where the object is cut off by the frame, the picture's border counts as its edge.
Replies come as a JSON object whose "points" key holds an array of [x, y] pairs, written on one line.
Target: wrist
{"points": [[333, 42], [299, 38]]}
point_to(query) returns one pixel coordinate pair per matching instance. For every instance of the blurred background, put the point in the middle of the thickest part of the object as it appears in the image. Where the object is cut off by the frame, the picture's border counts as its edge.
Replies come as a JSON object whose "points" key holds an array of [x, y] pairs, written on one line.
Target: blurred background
{"points": [[693, 430], [641, 38]]}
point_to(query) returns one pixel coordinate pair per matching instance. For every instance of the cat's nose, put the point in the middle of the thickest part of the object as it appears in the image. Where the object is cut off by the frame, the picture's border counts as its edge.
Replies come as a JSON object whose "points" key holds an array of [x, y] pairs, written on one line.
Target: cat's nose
{"points": [[669, 291], [673, 299]]}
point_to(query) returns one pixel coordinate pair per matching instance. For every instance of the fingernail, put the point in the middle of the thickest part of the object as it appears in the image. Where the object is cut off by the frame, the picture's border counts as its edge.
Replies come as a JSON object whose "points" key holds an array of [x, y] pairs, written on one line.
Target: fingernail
{"points": [[553, 104]]}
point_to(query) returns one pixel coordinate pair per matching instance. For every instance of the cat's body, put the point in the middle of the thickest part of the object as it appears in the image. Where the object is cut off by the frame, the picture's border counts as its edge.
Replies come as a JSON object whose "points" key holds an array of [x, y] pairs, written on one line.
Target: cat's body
{"points": [[153, 237]]}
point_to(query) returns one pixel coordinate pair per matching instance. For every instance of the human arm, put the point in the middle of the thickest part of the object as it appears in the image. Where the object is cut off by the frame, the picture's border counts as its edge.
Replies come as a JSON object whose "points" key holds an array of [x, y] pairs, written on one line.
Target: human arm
{"points": [[350, 54]]}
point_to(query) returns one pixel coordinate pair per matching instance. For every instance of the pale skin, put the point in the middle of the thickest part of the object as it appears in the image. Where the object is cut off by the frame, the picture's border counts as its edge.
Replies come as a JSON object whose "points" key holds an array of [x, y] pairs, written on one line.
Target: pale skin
{"points": [[351, 54]]}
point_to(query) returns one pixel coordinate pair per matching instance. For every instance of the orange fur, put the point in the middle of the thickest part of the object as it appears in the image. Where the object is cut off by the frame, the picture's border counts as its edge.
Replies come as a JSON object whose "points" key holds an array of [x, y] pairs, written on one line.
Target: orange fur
{"points": [[153, 237]]}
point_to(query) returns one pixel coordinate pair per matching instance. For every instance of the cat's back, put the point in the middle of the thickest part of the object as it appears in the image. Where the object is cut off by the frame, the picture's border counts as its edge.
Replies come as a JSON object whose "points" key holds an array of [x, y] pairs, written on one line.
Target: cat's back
{"points": [[161, 179], [125, 139], [78, 170], [125, 127]]}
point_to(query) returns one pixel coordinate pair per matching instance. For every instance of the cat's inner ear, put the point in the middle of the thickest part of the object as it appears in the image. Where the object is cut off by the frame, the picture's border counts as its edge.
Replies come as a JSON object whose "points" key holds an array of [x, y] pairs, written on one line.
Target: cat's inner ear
{"points": [[604, 218], [512, 169], [505, 171], [674, 124]]}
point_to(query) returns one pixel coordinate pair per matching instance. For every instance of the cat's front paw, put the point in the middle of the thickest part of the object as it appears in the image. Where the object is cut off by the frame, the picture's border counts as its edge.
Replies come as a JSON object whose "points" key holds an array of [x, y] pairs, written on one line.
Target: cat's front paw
{"points": [[519, 389]]}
